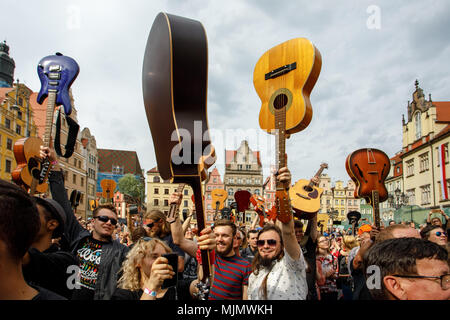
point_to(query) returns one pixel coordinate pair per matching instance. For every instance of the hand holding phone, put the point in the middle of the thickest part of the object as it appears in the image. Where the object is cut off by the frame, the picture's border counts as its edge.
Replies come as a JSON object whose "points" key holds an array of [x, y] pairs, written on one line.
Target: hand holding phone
{"points": [[173, 261]]}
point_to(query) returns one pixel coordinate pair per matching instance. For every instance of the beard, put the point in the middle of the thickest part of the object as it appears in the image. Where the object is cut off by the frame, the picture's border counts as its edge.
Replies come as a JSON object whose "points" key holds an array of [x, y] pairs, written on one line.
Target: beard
{"points": [[226, 251], [267, 261]]}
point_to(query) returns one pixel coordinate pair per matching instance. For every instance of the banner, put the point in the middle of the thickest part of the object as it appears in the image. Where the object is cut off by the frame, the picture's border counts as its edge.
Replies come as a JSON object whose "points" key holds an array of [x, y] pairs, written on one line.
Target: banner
{"points": [[444, 188]]}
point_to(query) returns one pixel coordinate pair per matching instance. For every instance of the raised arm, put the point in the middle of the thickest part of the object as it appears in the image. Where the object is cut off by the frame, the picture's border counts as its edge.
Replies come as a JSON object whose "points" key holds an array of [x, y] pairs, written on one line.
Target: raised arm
{"points": [[287, 229]]}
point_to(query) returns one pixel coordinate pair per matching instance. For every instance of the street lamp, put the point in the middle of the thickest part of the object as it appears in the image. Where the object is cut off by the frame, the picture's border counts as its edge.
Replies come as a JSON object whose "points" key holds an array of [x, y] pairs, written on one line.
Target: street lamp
{"points": [[398, 199]]}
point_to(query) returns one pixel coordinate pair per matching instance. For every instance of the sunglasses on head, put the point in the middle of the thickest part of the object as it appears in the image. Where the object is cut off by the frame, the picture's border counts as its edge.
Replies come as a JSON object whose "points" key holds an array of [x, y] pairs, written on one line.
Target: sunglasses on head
{"points": [[438, 233], [270, 242], [106, 219]]}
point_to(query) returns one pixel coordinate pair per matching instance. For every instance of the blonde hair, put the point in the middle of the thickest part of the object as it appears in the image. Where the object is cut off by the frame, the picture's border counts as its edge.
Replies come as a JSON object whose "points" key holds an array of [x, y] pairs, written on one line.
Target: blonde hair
{"points": [[350, 242], [131, 276]]}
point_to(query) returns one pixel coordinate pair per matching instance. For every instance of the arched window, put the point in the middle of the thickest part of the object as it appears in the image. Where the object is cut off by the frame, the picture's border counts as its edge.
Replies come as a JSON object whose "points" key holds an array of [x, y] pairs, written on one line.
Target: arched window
{"points": [[156, 179], [418, 125]]}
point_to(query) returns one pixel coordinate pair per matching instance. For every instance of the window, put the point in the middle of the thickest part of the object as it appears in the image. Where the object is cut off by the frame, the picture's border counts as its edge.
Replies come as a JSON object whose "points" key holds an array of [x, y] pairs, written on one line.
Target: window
{"points": [[166, 191], [411, 196], [18, 129], [424, 162], [19, 115], [257, 192], [209, 206], [156, 179], [155, 202], [74, 178], [166, 203], [20, 101], [7, 123], [82, 182], [185, 203], [425, 194], [117, 169], [336, 202], [342, 201], [8, 166], [156, 191], [66, 175], [248, 167], [186, 192], [410, 168], [230, 192], [9, 144], [215, 180], [418, 125], [239, 166]]}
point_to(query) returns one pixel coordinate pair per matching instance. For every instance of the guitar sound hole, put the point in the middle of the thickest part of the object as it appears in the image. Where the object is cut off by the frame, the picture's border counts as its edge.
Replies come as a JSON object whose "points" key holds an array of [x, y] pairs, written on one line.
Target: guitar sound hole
{"points": [[308, 189], [280, 101]]}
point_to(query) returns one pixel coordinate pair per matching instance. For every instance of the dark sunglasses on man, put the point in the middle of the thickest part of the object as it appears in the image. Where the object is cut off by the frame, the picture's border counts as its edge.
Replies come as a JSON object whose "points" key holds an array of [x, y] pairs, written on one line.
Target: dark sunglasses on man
{"points": [[106, 219], [438, 233], [270, 242]]}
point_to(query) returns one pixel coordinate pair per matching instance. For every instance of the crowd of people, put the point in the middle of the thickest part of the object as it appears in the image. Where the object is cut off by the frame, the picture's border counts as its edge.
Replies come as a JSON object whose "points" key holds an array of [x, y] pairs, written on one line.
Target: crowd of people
{"points": [[46, 253]]}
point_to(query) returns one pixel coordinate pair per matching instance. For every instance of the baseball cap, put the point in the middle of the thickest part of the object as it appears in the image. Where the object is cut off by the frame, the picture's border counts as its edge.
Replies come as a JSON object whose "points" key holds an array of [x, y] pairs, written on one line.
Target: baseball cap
{"points": [[57, 213]]}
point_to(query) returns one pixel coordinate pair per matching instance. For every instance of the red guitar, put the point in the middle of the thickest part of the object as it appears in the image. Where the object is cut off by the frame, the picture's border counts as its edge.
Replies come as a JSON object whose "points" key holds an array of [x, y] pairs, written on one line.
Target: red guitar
{"points": [[368, 168], [242, 198]]}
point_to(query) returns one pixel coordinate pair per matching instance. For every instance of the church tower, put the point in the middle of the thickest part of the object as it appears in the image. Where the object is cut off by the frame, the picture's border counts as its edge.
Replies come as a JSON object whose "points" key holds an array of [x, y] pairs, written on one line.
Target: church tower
{"points": [[7, 67]]}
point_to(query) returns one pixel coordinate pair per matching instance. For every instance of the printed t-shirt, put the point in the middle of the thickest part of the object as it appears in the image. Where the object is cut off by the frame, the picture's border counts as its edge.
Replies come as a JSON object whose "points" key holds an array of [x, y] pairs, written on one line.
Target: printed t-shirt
{"points": [[89, 254]]}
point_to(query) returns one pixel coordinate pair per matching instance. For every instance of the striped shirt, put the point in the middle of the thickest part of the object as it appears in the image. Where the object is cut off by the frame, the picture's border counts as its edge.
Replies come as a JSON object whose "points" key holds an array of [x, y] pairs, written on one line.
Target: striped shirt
{"points": [[230, 274]]}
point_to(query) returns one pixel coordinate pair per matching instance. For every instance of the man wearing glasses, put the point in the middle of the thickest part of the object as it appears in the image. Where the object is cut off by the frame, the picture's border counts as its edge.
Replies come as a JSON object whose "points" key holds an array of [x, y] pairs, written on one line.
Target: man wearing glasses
{"points": [[100, 258], [408, 269]]}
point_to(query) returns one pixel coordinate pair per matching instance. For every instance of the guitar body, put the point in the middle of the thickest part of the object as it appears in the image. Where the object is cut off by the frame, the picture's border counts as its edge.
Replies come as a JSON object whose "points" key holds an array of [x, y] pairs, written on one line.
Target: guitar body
{"points": [[289, 87], [26, 152], [108, 187], [57, 72], [305, 199], [174, 82], [368, 168]]}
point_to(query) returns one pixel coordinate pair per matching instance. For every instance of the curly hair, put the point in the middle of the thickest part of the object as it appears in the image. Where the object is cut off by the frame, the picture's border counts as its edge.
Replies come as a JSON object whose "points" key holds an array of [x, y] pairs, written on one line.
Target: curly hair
{"points": [[131, 273]]}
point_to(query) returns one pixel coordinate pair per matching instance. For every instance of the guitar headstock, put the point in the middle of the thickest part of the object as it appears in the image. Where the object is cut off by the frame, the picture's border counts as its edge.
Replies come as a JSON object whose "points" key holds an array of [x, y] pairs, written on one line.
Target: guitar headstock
{"points": [[220, 196], [108, 187], [57, 73], [324, 165]]}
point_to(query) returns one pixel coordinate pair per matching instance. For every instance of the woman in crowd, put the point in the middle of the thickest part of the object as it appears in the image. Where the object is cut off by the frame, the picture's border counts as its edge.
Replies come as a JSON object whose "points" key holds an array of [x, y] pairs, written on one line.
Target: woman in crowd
{"points": [[328, 289], [435, 234]]}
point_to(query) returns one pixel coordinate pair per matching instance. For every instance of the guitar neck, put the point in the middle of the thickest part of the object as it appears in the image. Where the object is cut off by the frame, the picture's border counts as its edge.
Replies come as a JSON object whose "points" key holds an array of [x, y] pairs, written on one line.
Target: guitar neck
{"points": [[280, 127], [317, 175], [376, 208], [49, 117], [174, 207]]}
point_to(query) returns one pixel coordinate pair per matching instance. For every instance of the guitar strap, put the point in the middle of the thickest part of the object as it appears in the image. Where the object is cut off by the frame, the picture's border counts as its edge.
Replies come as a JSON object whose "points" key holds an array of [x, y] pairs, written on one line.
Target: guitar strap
{"points": [[71, 136]]}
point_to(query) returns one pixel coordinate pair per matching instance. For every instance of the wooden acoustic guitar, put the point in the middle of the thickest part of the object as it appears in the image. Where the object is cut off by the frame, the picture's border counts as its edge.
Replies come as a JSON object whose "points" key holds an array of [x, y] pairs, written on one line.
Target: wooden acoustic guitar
{"points": [[218, 197], [368, 168], [284, 77], [305, 196], [56, 74], [174, 83]]}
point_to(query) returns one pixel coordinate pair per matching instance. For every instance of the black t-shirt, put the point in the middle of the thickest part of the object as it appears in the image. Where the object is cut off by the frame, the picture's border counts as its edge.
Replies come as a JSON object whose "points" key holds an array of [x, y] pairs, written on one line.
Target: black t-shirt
{"points": [[89, 254], [309, 252], [45, 294], [181, 293], [360, 291]]}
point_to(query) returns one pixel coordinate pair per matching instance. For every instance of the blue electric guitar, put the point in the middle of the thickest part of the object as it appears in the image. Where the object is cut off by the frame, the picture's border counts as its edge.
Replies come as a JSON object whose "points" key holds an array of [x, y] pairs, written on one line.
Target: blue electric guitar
{"points": [[56, 74]]}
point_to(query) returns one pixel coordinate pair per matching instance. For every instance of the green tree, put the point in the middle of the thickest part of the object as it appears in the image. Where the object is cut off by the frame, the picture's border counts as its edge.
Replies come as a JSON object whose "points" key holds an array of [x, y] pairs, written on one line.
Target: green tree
{"points": [[132, 186]]}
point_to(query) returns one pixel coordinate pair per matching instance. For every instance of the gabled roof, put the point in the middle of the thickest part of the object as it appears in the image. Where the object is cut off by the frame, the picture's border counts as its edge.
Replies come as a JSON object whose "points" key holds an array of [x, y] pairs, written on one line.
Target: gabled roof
{"points": [[107, 158], [153, 170], [230, 154]]}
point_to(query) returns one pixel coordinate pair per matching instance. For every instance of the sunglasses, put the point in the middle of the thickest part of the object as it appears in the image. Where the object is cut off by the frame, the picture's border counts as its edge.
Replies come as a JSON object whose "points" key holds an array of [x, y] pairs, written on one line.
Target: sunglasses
{"points": [[438, 233], [106, 219], [270, 242]]}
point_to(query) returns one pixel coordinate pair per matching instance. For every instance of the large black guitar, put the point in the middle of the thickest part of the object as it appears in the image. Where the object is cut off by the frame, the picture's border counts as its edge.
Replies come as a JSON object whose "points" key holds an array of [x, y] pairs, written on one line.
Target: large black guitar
{"points": [[174, 83]]}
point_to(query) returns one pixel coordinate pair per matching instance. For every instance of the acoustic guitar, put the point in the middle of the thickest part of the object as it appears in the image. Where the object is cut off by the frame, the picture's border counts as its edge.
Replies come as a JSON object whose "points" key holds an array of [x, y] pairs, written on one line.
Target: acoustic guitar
{"points": [[56, 74], [368, 168], [174, 83], [305, 196], [284, 77], [174, 207], [218, 197], [242, 198]]}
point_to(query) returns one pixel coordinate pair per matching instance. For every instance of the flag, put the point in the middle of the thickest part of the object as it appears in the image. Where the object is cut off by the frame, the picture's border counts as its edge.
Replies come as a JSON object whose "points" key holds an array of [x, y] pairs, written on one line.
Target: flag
{"points": [[443, 175]]}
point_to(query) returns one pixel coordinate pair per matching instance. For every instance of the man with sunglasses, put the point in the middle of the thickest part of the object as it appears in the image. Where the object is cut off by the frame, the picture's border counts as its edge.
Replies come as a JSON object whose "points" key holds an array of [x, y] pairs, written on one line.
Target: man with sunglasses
{"points": [[100, 258], [408, 269], [435, 233]]}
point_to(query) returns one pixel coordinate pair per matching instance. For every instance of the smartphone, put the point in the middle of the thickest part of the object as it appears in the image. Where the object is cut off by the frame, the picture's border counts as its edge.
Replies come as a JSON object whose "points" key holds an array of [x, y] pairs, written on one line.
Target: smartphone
{"points": [[173, 261]]}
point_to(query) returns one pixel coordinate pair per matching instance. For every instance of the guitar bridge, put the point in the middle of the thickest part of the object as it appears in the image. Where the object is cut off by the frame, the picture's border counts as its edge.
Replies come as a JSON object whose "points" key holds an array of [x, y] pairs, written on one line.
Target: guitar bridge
{"points": [[280, 71]]}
